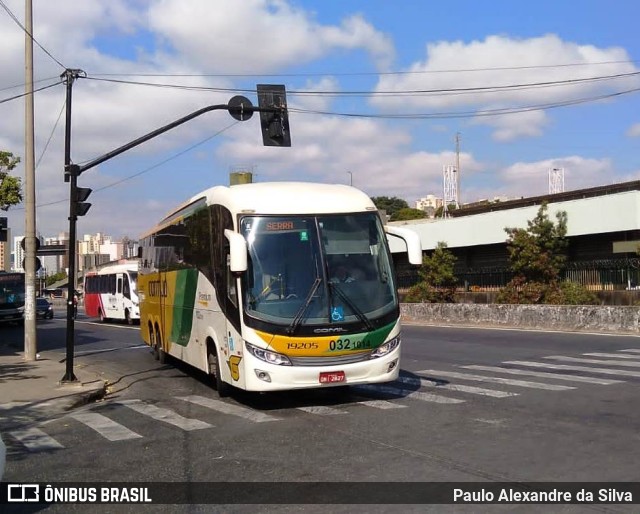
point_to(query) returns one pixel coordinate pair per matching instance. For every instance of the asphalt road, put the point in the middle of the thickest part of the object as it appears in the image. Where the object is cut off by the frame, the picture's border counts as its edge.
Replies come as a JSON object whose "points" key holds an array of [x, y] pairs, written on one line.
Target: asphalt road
{"points": [[471, 405]]}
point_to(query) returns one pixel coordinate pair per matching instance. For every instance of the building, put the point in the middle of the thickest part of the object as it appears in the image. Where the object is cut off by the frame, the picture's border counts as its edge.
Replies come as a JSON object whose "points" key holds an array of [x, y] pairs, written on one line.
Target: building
{"points": [[5, 253], [429, 204], [603, 230]]}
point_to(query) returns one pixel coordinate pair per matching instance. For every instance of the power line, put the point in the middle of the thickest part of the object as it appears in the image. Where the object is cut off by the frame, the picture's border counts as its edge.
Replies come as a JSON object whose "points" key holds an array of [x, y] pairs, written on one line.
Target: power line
{"points": [[413, 92], [35, 91], [150, 168], [22, 85], [470, 114], [365, 74], [14, 18], [44, 150]]}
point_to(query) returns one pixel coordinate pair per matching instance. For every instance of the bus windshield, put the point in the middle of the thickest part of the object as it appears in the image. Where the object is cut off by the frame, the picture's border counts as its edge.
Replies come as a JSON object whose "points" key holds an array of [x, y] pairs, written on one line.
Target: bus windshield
{"points": [[11, 290], [317, 270]]}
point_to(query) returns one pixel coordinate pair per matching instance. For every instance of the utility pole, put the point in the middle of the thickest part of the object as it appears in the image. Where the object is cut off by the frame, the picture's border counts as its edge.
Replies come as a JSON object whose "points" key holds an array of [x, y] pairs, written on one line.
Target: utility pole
{"points": [[69, 77], [30, 343], [459, 201]]}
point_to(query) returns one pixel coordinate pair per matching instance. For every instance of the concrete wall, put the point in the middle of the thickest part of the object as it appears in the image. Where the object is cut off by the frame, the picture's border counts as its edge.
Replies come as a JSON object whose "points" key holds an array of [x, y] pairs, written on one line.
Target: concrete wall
{"points": [[587, 318]]}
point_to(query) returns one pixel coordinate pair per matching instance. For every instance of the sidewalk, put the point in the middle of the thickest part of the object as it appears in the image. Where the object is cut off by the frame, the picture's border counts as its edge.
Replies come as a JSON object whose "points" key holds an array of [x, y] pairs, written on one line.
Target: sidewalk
{"points": [[32, 391]]}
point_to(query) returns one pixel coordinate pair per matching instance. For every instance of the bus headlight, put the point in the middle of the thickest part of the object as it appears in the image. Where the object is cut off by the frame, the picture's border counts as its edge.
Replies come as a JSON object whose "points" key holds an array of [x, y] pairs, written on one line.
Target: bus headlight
{"points": [[386, 348], [267, 355]]}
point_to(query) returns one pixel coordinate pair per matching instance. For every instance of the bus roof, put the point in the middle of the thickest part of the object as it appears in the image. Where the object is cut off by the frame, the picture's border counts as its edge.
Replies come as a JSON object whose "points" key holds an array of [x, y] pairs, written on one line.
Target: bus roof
{"points": [[115, 268], [279, 198]]}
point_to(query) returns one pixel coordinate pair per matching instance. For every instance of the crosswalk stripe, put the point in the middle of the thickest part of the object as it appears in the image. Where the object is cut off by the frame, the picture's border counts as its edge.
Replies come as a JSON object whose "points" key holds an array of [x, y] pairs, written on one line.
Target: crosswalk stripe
{"points": [[406, 393], [166, 415], [499, 380], [106, 427], [594, 361], [455, 387], [35, 439], [227, 408], [542, 374], [614, 355], [380, 404], [567, 367], [631, 350], [322, 410]]}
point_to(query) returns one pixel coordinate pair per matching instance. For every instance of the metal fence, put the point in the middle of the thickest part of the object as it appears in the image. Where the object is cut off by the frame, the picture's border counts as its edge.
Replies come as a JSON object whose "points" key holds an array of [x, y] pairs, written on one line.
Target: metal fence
{"points": [[598, 275]]}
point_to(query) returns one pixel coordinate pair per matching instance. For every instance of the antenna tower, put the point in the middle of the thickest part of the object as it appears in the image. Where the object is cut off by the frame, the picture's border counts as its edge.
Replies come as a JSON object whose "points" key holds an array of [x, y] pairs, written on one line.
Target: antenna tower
{"points": [[556, 180]]}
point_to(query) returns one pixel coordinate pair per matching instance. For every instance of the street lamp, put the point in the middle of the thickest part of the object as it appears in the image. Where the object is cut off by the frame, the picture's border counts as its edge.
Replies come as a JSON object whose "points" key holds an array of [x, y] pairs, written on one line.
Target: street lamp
{"points": [[350, 178]]}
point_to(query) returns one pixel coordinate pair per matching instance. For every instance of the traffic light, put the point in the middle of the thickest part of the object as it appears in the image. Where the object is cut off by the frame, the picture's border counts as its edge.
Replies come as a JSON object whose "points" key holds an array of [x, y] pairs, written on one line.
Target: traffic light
{"points": [[81, 207], [3, 229], [274, 120]]}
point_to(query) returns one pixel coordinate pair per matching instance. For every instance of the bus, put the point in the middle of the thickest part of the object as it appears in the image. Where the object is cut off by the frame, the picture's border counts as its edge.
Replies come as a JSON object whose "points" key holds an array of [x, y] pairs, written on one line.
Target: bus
{"points": [[111, 293], [239, 283], [12, 297]]}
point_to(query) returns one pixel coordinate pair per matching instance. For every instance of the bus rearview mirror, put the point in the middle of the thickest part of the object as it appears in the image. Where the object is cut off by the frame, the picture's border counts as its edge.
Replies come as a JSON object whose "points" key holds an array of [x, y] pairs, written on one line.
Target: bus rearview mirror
{"points": [[237, 251]]}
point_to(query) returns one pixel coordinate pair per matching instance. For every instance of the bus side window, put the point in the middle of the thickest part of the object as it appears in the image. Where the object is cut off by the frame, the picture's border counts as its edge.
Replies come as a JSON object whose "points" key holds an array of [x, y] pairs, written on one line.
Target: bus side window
{"points": [[126, 290], [119, 288]]}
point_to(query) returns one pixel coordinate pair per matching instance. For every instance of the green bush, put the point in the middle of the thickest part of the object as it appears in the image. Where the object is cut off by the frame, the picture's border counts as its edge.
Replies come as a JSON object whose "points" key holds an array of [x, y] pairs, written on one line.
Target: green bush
{"points": [[425, 293], [556, 293]]}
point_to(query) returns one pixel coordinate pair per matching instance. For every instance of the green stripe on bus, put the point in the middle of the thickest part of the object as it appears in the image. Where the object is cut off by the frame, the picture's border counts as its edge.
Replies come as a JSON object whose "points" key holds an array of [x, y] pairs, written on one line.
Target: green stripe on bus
{"points": [[184, 302]]}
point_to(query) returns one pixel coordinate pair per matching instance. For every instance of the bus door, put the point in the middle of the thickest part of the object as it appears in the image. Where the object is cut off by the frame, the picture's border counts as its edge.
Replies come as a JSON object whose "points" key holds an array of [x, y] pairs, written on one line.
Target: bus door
{"points": [[114, 303]]}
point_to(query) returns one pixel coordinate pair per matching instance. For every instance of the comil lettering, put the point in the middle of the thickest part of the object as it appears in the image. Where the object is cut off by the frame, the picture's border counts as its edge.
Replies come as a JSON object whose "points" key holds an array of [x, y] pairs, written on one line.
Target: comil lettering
{"points": [[158, 288]]}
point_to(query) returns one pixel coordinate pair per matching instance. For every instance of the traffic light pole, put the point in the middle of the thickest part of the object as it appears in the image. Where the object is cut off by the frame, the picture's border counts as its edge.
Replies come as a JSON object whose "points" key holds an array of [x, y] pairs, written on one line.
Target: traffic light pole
{"points": [[275, 126], [70, 76]]}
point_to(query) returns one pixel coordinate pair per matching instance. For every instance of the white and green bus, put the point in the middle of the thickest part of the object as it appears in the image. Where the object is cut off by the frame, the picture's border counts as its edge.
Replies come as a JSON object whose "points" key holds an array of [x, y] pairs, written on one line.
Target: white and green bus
{"points": [[274, 286]]}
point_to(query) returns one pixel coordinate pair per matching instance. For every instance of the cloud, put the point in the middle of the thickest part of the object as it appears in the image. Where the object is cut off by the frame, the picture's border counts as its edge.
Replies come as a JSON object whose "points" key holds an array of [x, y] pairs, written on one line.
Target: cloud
{"points": [[257, 36], [378, 155], [500, 61], [634, 130], [579, 173]]}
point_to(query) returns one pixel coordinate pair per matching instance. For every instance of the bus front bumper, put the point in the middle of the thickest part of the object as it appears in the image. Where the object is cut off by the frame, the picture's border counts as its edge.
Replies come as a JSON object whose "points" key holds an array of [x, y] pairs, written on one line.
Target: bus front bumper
{"points": [[262, 376]]}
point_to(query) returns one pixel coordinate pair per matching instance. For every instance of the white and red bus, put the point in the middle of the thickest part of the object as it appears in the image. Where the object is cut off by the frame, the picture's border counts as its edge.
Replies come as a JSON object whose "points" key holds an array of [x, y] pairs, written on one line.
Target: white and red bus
{"points": [[111, 293]]}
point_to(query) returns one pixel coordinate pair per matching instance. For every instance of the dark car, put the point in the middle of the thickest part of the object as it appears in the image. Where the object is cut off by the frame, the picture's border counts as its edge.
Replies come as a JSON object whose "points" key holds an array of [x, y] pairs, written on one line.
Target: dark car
{"points": [[44, 309]]}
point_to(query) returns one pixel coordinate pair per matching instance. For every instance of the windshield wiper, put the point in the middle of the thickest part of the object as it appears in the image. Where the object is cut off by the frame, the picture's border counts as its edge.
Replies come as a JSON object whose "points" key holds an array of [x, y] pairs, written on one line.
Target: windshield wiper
{"points": [[303, 308], [361, 315]]}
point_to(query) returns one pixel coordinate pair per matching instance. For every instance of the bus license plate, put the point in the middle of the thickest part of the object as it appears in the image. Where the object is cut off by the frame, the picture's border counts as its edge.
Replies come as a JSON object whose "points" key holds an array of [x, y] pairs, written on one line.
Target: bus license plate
{"points": [[329, 377]]}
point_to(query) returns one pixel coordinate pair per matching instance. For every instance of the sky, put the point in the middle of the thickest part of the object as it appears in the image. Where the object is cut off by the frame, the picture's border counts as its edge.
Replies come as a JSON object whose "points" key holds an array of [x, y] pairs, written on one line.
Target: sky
{"points": [[377, 92]]}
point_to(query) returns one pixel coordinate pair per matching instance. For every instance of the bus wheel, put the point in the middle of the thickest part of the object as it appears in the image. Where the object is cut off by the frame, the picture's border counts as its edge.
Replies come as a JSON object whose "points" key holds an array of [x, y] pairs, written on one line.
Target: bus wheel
{"points": [[162, 355], [103, 318], [152, 342], [214, 371], [127, 317]]}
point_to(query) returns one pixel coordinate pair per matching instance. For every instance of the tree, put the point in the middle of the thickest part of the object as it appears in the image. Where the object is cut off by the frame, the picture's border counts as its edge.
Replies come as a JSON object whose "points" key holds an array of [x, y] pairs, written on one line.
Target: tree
{"points": [[408, 214], [10, 187], [438, 282], [538, 253], [389, 205]]}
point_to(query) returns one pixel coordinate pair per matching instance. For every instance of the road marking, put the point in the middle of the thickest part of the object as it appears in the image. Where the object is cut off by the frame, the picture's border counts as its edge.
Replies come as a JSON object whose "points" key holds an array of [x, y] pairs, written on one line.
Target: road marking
{"points": [[405, 393], [322, 410], [614, 355], [106, 427], [604, 371], [380, 404], [631, 350], [12, 405], [499, 380], [166, 415], [594, 361], [542, 374], [227, 408], [426, 382], [36, 440]]}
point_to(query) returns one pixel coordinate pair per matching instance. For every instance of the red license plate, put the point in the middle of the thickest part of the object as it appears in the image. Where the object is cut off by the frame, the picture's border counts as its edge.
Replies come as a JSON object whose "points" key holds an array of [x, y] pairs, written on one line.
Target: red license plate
{"points": [[329, 377]]}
